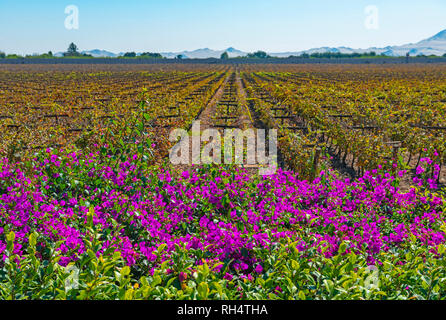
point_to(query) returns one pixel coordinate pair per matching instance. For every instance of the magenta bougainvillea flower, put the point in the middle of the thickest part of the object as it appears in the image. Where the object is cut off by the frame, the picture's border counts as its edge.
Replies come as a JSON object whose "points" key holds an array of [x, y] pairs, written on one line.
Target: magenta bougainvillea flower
{"points": [[226, 214]]}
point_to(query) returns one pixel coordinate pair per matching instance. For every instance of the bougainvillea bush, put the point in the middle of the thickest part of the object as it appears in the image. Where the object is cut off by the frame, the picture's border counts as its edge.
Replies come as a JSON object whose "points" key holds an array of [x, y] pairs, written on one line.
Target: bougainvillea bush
{"points": [[77, 225]]}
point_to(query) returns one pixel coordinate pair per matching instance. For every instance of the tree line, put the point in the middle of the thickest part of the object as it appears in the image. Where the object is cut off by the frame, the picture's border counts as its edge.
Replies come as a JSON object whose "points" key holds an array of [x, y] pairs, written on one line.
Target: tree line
{"points": [[73, 52]]}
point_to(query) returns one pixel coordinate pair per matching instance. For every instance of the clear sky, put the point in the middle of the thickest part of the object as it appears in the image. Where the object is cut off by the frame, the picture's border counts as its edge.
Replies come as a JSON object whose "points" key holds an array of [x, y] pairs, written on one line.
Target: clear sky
{"points": [[248, 25]]}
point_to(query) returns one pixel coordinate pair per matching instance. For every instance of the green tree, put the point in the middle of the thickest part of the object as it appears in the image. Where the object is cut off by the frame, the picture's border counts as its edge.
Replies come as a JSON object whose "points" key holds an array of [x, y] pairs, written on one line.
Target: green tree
{"points": [[14, 56], [258, 55], [224, 56], [2, 55], [72, 48], [151, 55], [130, 55], [72, 51]]}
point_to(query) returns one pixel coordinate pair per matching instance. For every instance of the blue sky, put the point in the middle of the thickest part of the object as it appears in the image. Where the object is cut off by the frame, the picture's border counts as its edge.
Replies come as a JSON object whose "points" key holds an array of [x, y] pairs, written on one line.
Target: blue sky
{"points": [[175, 25]]}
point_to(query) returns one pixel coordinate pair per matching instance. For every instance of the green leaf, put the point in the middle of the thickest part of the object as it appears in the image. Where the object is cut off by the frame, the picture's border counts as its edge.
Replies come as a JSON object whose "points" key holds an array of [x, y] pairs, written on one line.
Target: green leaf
{"points": [[10, 241], [342, 247], [125, 271], [203, 290], [129, 294], [116, 255], [147, 117], [32, 239], [295, 265], [90, 217], [161, 248], [10, 237], [156, 281], [329, 285]]}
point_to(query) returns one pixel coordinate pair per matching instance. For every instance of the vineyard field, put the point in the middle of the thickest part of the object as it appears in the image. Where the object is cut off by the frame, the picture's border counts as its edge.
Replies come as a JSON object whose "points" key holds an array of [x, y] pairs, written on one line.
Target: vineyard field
{"points": [[355, 210]]}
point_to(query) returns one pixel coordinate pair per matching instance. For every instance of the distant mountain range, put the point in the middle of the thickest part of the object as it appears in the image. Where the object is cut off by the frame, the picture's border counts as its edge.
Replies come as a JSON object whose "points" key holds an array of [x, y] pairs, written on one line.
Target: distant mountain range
{"points": [[205, 53], [96, 53], [435, 45]]}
